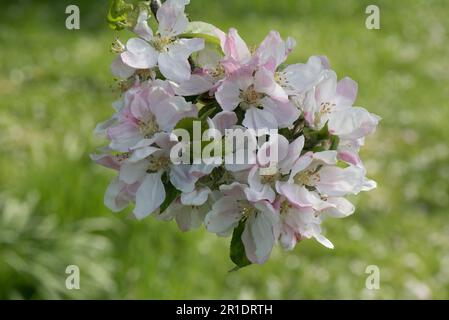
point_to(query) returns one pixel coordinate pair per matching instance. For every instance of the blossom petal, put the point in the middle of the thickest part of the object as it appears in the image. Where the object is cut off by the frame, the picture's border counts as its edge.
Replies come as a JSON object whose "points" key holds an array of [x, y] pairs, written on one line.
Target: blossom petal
{"points": [[116, 197], [149, 196], [264, 82], [132, 172], [259, 119], [171, 110], [139, 54], [224, 120], [197, 84], [224, 216], [353, 123], [337, 182], [142, 29], [285, 113], [235, 48], [195, 198], [172, 19], [346, 92], [182, 179], [120, 70], [258, 237], [228, 95], [174, 64], [293, 154]]}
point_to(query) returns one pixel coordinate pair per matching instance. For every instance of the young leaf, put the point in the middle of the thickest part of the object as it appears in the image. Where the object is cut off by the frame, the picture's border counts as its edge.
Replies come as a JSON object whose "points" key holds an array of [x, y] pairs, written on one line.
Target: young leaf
{"points": [[237, 253], [171, 194]]}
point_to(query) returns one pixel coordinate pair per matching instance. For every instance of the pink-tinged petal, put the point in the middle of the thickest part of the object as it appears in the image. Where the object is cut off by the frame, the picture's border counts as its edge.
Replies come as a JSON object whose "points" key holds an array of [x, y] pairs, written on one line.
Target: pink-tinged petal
{"points": [[201, 170], [173, 67], [182, 179], [140, 109], [259, 119], [293, 154], [116, 197], [369, 185], [256, 190], [288, 237], [265, 193], [142, 150], [224, 216], [325, 62], [174, 64], [101, 130], [273, 47], [353, 123], [265, 83], [142, 29], [157, 94], [171, 110], [347, 92], [228, 95], [342, 208], [326, 89], [123, 136], [164, 141], [301, 164], [338, 182], [195, 198], [284, 113], [296, 195], [172, 19], [120, 70], [224, 120], [107, 161], [302, 77], [184, 220], [326, 157], [324, 241], [139, 54], [349, 156], [197, 84], [258, 236], [274, 150], [133, 172], [149, 196], [235, 190], [235, 48]]}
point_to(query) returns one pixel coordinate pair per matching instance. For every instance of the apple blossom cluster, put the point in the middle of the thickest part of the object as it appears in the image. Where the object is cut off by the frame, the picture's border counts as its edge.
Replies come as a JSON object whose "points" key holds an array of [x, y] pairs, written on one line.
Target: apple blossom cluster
{"points": [[174, 74]]}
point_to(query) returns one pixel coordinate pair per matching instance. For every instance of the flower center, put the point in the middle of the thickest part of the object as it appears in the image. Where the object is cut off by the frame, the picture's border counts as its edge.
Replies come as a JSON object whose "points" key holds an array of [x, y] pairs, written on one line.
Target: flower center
{"points": [[246, 209], [217, 73], [326, 108], [157, 163], [250, 98], [285, 207], [281, 79], [148, 128], [160, 43], [308, 178]]}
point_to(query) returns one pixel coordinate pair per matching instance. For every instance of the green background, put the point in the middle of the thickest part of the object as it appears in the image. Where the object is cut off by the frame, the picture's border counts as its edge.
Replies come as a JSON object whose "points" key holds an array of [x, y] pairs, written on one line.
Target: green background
{"points": [[55, 86]]}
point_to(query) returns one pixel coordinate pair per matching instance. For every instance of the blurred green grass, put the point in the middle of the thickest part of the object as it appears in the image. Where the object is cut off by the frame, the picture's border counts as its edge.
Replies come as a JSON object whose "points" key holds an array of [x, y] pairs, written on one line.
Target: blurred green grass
{"points": [[55, 86]]}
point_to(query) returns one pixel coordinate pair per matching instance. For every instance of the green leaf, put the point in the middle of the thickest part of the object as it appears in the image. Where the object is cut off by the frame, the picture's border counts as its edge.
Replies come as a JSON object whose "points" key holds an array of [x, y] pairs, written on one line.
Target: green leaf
{"points": [[208, 111], [118, 14], [335, 141], [237, 251], [171, 194], [208, 38], [199, 29]]}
